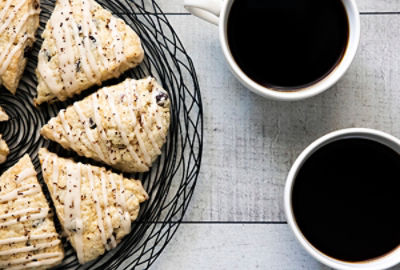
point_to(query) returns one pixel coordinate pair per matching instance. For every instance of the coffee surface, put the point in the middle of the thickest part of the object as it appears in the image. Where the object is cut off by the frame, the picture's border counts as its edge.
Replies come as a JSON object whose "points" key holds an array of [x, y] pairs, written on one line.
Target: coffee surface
{"points": [[287, 44], [346, 199]]}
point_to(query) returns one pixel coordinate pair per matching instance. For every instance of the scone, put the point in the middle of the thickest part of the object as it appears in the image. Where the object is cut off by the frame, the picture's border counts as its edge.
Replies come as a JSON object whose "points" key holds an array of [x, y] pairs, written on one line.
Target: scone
{"points": [[83, 46], [3, 115], [4, 151], [28, 238], [19, 20], [123, 126], [95, 206]]}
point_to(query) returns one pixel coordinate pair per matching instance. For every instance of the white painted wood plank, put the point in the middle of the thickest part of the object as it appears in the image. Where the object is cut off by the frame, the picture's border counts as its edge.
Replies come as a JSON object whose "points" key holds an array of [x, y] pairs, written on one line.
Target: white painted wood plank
{"points": [[234, 247], [378, 6], [237, 246], [174, 6], [250, 142]]}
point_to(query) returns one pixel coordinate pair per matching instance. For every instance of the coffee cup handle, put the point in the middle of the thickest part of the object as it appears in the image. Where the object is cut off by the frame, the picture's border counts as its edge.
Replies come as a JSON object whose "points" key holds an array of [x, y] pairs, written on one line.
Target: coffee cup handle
{"points": [[207, 10]]}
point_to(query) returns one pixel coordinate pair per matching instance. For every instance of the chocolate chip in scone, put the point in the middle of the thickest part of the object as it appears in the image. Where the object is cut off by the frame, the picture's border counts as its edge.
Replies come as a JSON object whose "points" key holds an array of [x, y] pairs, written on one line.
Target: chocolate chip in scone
{"points": [[92, 38], [92, 124], [78, 65], [80, 30], [161, 97]]}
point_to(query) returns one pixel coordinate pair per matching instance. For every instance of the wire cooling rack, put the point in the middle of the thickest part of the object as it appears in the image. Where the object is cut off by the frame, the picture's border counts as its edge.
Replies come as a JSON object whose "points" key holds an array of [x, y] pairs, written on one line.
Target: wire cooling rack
{"points": [[172, 179]]}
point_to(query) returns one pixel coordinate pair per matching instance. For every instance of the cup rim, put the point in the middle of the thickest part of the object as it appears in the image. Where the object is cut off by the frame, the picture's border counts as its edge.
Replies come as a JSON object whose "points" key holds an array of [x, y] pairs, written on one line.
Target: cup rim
{"points": [[302, 93], [386, 261]]}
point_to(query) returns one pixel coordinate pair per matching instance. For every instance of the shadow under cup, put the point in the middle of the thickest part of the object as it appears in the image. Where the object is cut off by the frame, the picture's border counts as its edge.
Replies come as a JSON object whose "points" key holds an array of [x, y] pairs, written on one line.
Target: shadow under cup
{"points": [[342, 196], [287, 45]]}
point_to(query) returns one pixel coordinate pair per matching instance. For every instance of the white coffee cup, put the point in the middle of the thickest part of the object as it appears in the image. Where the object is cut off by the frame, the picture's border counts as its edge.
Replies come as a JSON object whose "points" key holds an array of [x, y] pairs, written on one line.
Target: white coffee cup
{"points": [[217, 11], [383, 262]]}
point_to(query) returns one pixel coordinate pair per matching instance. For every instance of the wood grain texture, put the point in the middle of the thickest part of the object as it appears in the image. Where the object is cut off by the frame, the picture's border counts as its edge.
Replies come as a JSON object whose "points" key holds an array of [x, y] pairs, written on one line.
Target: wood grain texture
{"points": [[250, 142], [238, 246], [235, 247], [378, 6], [176, 6]]}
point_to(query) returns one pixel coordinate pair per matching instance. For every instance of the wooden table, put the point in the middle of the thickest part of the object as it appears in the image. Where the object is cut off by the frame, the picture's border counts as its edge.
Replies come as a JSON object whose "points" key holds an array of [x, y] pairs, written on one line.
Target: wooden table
{"points": [[236, 218]]}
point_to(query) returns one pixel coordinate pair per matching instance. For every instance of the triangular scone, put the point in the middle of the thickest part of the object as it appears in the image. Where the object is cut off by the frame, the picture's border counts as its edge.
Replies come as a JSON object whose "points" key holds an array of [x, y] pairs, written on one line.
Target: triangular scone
{"points": [[28, 238], [3, 115], [19, 20], [83, 46], [123, 126], [95, 206]]}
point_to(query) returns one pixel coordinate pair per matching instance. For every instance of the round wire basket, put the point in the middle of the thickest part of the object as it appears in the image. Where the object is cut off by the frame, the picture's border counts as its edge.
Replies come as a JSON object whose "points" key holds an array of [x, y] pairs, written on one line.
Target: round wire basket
{"points": [[171, 181]]}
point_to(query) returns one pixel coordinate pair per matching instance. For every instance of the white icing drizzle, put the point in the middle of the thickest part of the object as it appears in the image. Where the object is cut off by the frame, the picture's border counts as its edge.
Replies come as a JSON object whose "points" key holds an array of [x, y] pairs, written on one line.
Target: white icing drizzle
{"points": [[62, 36], [11, 54], [30, 192], [45, 163], [5, 9], [13, 240], [104, 59], [98, 209], [72, 207], [117, 42], [37, 264], [24, 190], [5, 62], [65, 31], [116, 118], [149, 133], [120, 200], [126, 218], [42, 214], [87, 65], [139, 138], [89, 29], [20, 212], [30, 248], [41, 259], [49, 76], [27, 214], [144, 121], [9, 18], [66, 127], [55, 172], [100, 129], [154, 107], [85, 121], [28, 172], [107, 218]]}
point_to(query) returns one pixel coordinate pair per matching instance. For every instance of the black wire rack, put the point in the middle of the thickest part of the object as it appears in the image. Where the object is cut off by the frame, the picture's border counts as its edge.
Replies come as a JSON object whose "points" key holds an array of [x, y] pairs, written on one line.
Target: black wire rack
{"points": [[171, 181]]}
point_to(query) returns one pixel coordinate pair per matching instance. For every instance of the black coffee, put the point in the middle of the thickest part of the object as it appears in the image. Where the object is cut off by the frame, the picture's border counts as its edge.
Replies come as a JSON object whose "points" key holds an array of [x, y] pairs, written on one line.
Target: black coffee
{"points": [[346, 199], [287, 44]]}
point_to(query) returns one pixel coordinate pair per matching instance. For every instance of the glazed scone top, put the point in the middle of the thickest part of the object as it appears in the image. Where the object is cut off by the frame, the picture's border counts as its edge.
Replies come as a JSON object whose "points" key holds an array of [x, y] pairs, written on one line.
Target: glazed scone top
{"points": [[28, 239], [19, 20], [83, 46], [124, 125], [95, 206]]}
